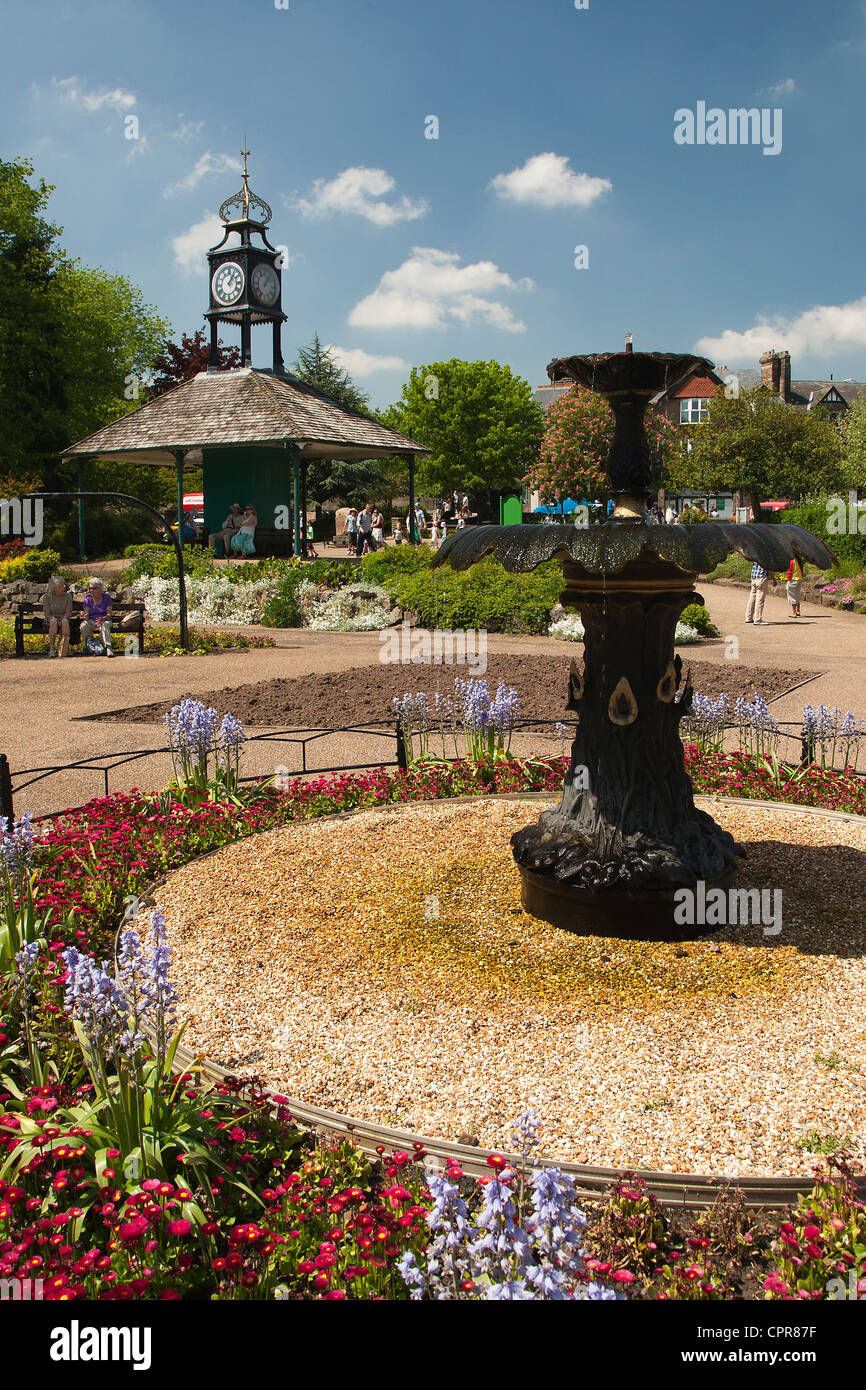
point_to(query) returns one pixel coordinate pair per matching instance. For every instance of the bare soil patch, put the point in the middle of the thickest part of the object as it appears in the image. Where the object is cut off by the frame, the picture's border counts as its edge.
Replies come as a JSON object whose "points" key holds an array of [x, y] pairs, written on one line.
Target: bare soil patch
{"points": [[365, 693]]}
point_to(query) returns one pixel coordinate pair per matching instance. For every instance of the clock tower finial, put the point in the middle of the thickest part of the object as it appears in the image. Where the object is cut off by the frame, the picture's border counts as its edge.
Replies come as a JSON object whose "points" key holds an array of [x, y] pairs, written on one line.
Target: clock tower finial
{"points": [[246, 191], [245, 280]]}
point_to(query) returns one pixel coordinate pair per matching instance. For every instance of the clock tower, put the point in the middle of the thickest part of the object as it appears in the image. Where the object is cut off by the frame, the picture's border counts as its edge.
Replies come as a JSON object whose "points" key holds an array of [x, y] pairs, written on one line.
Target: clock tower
{"points": [[245, 279]]}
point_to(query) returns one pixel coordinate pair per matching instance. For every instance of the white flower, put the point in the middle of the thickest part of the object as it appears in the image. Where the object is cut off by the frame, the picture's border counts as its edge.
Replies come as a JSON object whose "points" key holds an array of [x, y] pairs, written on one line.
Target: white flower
{"points": [[567, 629]]}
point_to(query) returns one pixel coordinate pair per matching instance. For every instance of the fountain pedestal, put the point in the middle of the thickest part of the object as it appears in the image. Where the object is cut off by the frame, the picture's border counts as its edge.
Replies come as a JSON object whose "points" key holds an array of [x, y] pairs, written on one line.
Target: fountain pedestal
{"points": [[626, 833]]}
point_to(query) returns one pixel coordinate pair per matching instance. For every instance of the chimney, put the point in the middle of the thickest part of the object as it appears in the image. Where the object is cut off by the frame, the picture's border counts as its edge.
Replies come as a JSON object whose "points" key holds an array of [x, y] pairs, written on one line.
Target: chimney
{"points": [[770, 370], [785, 376]]}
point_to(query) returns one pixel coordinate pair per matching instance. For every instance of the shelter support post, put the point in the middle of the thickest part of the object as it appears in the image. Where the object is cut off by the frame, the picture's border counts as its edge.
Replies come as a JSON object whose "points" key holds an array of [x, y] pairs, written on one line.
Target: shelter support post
{"points": [[413, 534], [304, 507], [179, 455], [81, 511], [295, 456]]}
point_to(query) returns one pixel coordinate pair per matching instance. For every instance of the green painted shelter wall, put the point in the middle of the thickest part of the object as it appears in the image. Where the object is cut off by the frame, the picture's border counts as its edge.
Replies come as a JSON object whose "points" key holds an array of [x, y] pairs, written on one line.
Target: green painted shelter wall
{"points": [[260, 476]]}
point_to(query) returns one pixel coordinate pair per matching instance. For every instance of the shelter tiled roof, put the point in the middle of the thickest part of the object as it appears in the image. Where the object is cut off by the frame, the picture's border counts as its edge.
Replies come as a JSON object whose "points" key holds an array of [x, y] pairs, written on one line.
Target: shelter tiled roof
{"points": [[237, 407]]}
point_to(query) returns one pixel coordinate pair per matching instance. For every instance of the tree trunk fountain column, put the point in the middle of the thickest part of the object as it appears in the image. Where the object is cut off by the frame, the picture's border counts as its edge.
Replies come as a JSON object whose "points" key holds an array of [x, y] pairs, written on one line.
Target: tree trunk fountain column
{"points": [[626, 832]]}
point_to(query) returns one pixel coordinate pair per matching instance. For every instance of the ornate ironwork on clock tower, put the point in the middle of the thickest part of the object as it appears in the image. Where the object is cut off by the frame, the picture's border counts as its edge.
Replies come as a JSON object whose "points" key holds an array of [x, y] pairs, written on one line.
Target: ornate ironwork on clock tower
{"points": [[245, 279]]}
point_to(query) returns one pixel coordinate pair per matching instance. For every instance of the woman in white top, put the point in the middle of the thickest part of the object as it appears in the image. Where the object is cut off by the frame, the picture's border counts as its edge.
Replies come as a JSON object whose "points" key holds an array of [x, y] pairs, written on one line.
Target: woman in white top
{"points": [[378, 527]]}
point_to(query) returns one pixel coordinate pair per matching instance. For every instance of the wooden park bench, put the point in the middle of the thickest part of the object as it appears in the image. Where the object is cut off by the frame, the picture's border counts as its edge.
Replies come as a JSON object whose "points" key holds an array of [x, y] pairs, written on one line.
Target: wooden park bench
{"points": [[30, 618]]}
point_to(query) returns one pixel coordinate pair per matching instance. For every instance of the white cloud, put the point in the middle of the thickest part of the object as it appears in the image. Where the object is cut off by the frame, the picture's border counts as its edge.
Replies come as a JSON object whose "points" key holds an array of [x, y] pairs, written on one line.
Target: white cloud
{"points": [[71, 90], [190, 247], [430, 288], [187, 130], [359, 190], [137, 147], [782, 89], [360, 363], [206, 164], [547, 181], [823, 330]]}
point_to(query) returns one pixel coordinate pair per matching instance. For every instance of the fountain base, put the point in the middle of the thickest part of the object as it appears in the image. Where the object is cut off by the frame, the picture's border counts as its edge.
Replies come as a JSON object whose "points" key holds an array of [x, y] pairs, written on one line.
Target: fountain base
{"points": [[636, 916]]}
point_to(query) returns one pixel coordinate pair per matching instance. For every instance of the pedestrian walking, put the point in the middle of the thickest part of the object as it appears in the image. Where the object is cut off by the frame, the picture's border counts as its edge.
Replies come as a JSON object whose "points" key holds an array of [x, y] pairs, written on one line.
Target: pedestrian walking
{"points": [[794, 586], [758, 587], [366, 541]]}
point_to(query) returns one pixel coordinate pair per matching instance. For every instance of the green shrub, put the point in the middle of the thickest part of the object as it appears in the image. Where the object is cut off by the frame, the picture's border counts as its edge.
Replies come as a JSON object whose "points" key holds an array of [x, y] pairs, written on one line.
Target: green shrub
{"points": [[697, 617], [160, 561], [850, 551], [736, 566], [387, 565], [282, 609], [483, 596], [36, 565]]}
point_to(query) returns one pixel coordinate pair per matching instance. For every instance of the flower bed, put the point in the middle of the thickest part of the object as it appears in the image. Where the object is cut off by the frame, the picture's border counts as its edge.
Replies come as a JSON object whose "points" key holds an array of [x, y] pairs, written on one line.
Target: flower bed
{"points": [[247, 1207]]}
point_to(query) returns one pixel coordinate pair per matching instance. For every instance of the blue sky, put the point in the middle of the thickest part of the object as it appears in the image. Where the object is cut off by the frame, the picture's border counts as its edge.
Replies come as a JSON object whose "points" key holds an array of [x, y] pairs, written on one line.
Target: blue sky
{"points": [[555, 130]]}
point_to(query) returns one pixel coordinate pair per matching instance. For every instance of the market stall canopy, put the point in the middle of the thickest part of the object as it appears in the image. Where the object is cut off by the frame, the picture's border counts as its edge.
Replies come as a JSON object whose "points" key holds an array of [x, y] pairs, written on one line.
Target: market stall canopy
{"points": [[245, 407]]}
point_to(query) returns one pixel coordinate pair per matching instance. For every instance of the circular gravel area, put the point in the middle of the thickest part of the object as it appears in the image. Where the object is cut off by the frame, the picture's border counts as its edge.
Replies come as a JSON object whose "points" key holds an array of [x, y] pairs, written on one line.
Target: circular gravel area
{"points": [[380, 964]]}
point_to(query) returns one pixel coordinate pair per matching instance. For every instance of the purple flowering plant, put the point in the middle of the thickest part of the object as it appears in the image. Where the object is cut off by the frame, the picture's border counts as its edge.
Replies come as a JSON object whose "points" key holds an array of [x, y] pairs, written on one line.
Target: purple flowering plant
{"points": [[524, 1242]]}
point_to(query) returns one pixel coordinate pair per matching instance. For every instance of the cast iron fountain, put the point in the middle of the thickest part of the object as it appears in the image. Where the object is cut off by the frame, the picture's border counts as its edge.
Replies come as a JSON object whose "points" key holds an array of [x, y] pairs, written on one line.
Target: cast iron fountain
{"points": [[627, 834]]}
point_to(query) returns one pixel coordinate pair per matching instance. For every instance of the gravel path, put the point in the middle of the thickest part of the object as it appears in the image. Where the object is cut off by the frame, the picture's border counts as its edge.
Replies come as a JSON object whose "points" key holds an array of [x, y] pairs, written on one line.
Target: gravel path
{"points": [[381, 965]]}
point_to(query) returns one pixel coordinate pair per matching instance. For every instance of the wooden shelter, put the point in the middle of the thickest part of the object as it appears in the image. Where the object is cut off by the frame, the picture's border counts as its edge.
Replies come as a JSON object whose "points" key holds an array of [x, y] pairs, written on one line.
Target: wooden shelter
{"points": [[251, 430]]}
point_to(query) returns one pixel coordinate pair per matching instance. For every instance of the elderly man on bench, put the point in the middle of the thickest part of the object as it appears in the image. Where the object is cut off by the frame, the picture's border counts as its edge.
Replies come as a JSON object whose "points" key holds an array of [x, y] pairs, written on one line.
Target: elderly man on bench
{"points": [[230, 528]]}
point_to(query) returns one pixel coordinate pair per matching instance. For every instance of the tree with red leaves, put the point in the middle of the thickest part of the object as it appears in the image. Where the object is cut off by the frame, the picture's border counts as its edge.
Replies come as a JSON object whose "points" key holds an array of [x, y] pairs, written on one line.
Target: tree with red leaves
{"points": [[178, 363]]}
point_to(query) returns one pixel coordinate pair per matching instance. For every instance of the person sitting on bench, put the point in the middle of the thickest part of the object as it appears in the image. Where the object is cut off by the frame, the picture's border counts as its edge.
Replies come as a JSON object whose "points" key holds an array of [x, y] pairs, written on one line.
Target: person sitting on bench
{"points": [[57, 607], [230, 528], [242, 540], [97, 615]]}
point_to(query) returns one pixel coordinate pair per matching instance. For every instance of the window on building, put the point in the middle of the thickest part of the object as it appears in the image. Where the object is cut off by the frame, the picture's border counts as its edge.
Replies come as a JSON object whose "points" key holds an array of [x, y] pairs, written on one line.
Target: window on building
{"points": [[694, 410]]}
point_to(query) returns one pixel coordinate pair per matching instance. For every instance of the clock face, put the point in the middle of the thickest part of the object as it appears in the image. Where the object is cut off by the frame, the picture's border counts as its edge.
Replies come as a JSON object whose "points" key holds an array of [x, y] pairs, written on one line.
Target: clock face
{"points": [[227, 283], [266, 284]]}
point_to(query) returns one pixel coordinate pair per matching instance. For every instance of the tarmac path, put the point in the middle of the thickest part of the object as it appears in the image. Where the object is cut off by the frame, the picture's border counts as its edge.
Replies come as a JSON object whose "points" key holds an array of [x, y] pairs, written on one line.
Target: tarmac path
{"points": [[48, 706]]}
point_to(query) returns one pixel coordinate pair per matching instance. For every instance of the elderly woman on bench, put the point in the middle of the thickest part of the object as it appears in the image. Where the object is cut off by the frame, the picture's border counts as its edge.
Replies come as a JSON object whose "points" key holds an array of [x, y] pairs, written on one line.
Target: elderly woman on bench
{"points": [[97, 615], [57, 607]]}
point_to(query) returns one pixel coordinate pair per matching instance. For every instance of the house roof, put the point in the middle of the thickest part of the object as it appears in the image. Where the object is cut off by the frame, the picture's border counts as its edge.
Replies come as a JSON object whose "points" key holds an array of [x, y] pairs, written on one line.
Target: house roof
{"points": [[243, 406], [811, 393], [546, 395]]}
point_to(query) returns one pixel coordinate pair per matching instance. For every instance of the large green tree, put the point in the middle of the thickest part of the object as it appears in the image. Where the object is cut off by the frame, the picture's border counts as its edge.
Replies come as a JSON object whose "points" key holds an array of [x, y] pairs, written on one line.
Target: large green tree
{"points": [[479, 420], [577, 439], [33, 401], [74, 341], [853, 427], [316, 366], [756, 444], [354, 481]]}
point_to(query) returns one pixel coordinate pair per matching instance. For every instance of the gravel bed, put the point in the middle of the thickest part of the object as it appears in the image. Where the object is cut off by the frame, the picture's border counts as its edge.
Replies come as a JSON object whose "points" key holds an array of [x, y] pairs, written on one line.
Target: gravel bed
{"points": [[381, 965]]}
